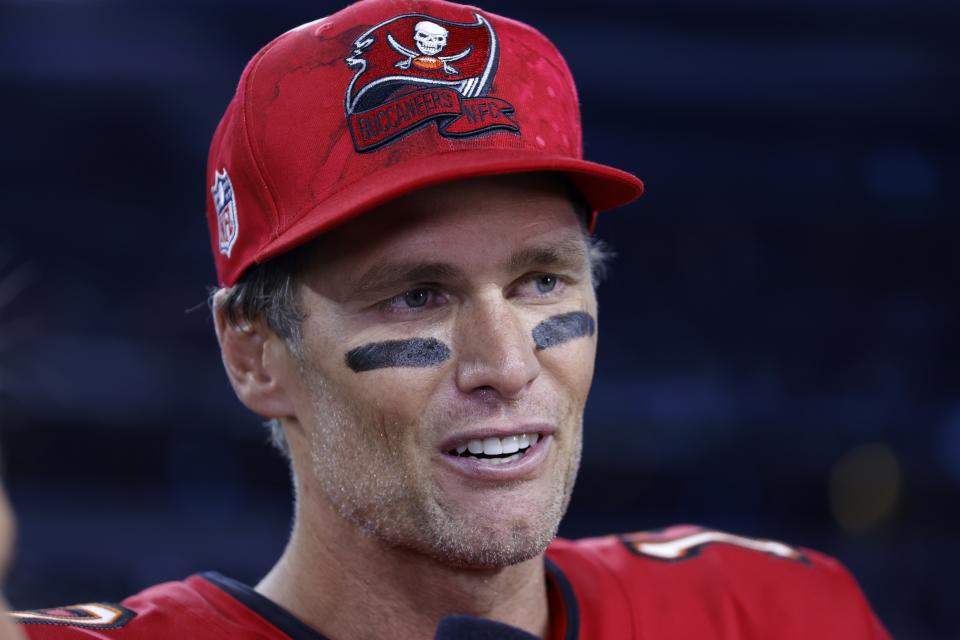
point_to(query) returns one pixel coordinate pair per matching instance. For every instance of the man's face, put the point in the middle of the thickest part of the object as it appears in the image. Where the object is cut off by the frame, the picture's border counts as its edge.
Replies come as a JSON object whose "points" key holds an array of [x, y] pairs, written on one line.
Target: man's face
{"points": [[431, 326]]}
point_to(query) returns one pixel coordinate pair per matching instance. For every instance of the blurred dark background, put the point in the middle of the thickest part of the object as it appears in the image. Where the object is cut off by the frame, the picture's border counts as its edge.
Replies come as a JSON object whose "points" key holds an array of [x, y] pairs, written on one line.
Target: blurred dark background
{"points": [[779, 351]]}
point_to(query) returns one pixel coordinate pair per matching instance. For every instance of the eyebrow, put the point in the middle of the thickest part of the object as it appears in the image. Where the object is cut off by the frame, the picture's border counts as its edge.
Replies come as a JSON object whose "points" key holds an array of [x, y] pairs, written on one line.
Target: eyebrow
{"points": [[565, 254], [388, 275], [568, 254]]}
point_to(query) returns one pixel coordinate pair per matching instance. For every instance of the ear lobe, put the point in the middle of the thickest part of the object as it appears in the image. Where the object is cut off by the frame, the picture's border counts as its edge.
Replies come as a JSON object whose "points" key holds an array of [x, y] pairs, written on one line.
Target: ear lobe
{"points": [[256, 362]]}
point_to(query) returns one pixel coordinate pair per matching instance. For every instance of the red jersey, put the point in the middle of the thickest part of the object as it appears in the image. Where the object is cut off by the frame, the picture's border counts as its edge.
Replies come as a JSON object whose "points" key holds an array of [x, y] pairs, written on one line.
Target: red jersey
{"points": [[683, 582]]}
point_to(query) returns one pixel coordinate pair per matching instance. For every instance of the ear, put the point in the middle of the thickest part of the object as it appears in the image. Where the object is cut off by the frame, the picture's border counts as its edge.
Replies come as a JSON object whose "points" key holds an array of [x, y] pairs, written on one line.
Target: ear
{"points": [[257, 362]]}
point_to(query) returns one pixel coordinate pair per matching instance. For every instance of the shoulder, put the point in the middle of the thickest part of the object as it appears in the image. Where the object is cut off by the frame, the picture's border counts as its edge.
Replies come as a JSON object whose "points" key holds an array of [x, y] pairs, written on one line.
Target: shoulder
{"points": [[688, 579], [192, 608]]}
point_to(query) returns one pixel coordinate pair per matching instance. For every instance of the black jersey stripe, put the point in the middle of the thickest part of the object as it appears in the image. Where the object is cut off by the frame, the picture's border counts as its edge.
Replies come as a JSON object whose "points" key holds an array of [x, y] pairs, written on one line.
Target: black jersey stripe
{"points": [[266, 608]]}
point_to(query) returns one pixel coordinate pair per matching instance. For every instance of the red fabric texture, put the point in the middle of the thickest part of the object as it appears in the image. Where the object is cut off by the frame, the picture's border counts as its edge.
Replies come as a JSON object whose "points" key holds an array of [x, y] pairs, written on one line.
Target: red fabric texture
{"points": [[719, 591], [193, 608]]}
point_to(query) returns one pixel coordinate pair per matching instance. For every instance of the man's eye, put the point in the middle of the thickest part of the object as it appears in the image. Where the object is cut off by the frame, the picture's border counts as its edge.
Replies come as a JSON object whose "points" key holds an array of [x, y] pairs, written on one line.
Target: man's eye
{"points": [[416, 297], [419, 299], [546, 283]]}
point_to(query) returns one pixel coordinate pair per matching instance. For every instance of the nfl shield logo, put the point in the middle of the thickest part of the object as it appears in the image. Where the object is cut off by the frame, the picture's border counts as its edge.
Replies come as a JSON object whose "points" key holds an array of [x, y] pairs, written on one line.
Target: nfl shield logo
{"points": [[226, 208]]}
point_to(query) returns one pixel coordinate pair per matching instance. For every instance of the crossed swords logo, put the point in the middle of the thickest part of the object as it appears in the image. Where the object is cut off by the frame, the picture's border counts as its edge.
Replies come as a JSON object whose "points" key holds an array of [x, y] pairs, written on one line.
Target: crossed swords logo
{"points": [[430, 39]]}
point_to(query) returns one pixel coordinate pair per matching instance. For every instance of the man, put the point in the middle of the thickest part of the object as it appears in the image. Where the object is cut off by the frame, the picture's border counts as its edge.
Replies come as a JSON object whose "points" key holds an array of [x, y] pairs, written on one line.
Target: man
{"points": [[400, 216], [8, 630]]}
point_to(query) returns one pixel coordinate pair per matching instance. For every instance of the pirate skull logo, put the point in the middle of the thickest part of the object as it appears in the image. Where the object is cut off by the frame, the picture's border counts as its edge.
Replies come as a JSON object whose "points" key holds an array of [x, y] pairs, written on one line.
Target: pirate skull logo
{"points": [[430, 39]]}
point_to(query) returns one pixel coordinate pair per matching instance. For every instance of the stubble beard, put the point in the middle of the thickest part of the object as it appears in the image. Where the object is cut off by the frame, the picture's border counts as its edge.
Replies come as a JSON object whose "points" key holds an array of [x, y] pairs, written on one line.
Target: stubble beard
{"points": [[388, 498]]}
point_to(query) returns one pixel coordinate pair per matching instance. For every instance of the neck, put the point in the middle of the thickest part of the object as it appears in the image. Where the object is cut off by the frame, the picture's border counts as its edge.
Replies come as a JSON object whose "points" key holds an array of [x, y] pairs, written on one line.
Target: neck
{"points": [[349, 585]]}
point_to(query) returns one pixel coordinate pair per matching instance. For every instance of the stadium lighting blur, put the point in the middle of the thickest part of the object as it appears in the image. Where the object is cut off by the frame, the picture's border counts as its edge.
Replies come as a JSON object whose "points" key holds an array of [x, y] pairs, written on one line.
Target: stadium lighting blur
{"points": [[865, 487]]}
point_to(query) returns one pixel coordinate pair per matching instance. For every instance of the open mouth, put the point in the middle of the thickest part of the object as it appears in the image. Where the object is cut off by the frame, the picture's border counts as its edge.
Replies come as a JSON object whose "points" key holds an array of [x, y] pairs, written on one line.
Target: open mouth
{"points": [[496, 450]]}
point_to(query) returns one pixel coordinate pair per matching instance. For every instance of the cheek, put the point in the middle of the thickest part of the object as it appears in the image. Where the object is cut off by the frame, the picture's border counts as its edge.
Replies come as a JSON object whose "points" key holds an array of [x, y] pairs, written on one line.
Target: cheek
{"points": [[395, 397], [566, 346], [571, 365]]}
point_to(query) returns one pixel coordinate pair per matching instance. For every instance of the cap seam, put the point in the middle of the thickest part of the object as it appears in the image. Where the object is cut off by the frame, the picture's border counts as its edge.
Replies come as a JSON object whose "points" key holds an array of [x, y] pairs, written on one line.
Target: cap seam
{"points": [[252, 149]]}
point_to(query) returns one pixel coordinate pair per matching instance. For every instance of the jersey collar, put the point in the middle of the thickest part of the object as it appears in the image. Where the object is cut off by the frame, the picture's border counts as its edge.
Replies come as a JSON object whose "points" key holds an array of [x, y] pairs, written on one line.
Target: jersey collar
{"points": [[567, 616]]}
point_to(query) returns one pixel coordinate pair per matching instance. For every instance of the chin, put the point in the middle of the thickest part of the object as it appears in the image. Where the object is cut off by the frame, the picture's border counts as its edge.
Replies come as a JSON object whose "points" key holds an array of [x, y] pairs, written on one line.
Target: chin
{"points": [[485, 540], [489, 547], [514, 527]]}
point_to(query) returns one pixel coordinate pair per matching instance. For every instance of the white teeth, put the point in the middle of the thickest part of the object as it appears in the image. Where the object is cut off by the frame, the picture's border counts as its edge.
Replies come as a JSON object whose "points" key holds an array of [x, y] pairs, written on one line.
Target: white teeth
{"points": [[510, 446], [492, 446]]}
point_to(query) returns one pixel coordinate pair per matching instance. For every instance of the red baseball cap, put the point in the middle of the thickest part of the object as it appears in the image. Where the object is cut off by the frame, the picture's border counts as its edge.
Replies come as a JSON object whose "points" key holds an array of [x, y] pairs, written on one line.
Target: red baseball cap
{"points": [[382, 98]]}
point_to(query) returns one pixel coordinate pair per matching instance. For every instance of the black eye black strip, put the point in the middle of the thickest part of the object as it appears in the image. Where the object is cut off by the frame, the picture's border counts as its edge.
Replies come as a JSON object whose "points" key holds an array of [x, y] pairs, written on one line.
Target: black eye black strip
{"points": [[415, 352], [563, 328]]}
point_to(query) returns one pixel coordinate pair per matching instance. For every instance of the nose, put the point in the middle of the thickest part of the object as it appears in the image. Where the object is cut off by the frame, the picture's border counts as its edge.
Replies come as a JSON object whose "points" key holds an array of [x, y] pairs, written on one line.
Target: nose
{"points": [[495, 349]]}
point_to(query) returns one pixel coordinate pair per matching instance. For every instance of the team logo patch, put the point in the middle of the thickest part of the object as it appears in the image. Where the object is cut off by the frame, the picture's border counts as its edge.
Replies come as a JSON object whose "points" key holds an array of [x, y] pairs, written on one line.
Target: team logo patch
{"points": [[94, 615], [226, 208], [416, 69]]}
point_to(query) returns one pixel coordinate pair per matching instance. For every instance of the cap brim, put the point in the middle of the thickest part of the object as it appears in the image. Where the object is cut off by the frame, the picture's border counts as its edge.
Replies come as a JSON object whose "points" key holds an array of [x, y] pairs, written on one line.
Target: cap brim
{"points": [[603, 187]]}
